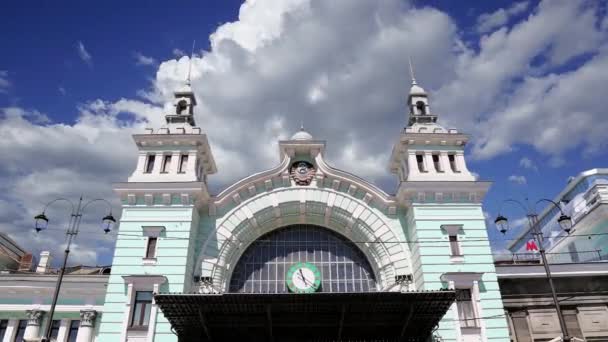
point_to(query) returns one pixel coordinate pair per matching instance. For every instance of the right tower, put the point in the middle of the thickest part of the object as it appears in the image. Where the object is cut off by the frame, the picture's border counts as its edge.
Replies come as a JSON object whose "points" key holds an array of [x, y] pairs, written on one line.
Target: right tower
{"points": [[445, 225]]}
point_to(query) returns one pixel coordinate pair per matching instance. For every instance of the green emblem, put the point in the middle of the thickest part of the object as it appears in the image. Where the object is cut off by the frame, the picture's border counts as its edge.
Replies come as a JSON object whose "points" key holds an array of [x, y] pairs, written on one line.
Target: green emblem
{"points": [[303, 277]]}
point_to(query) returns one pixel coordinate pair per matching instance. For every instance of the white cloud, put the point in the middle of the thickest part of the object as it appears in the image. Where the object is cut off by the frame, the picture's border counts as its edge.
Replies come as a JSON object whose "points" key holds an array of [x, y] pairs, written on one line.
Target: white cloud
{"points": [[527, 163], [518, 179], [284, 62], [83, 53], [178, 53], [140, 59], [508, 92], [4, 82], [489, 21], [62, 90]]}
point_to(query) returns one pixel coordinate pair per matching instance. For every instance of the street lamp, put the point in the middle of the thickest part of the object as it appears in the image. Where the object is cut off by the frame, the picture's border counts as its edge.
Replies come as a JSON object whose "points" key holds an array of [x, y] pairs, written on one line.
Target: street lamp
{"points": [[565, 222], [42, 222]]}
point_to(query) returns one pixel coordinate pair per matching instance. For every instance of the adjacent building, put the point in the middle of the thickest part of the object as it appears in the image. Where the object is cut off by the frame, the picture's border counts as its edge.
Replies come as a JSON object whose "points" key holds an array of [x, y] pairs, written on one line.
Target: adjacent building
{"points": [[585, 199], [25, 299], [582, 290]]}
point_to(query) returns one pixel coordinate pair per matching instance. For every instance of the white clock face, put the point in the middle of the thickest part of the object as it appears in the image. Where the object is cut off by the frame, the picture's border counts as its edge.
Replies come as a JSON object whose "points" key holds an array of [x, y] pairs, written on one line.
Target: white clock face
{"points": [[303, 278]]}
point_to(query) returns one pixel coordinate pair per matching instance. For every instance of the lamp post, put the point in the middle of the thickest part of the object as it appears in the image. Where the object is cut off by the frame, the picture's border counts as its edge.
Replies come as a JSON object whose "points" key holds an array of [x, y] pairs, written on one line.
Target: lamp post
{"points": [[42, 222], [565, 223]]}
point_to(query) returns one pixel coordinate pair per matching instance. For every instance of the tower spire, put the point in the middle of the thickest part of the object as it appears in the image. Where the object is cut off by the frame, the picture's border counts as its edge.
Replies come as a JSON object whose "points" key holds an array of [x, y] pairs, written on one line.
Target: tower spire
{"points": [[412, 71], [190, 63]]}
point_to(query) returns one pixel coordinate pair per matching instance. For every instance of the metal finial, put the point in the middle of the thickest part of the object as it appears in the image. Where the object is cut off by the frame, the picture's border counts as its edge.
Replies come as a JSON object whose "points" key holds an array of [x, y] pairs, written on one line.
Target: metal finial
{"points": [[412, 71], [301, 125], [190, 63]]}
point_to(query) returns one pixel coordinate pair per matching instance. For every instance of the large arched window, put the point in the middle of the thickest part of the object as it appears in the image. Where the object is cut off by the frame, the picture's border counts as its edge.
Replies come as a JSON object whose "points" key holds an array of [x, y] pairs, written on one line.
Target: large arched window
{"points": [[264, 265]]}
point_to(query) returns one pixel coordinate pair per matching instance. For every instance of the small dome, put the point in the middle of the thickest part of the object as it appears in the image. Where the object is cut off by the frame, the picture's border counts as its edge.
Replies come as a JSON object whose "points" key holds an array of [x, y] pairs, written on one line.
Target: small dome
{"points": [[301, 135], [417, 90]]}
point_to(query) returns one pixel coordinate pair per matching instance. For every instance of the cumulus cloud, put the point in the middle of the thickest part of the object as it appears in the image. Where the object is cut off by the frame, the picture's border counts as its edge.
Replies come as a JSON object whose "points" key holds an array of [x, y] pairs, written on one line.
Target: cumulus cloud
{"points": [[518, 179], [83, 53], [489, 21], [4, 82], [140, 59], [178, 52], [341, 68], [510, 91], [527, 163]]}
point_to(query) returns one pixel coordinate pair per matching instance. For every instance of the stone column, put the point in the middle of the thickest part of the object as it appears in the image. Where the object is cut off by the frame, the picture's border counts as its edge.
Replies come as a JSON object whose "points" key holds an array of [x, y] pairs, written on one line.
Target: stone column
{"points": [[32, 331], [87, 326]]}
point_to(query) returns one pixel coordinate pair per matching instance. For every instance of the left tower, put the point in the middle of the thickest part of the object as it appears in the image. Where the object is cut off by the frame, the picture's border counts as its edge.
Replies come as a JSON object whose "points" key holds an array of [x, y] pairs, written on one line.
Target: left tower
{"points": [[160, 202]]}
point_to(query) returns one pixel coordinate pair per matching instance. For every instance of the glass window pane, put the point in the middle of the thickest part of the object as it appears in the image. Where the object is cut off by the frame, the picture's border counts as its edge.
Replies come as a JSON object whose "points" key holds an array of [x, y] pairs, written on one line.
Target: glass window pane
{"points": [[263, 265], [74, 325]]}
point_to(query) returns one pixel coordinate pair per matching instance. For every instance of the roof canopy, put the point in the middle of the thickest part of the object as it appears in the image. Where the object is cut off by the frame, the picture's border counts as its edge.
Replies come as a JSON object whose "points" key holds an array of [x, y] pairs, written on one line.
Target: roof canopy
{"points": [[386, 316]]}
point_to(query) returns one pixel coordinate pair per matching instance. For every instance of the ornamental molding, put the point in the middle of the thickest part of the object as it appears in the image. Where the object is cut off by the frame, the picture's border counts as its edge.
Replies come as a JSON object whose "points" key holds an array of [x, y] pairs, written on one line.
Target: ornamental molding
{"points": [[34, 317], [87, 318], [351, 217], [302, 172], [282, 176]]}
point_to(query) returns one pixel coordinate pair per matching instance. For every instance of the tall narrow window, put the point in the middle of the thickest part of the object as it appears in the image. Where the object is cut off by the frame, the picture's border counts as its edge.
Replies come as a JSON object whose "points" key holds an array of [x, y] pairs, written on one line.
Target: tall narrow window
{"points": [[421, 108], [452, 159], [151, 248], [20, 330], [141, 309], [55, 329], [420, 162], [436, 163], [150, 163], [466, 312], [3, 326], [166, 164], [183, 162], [74, 325], [455, 245]]}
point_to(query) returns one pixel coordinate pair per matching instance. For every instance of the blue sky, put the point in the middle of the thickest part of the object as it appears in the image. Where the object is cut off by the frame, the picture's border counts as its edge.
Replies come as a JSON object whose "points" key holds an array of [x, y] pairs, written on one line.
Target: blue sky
{"points": [[77, 78]]}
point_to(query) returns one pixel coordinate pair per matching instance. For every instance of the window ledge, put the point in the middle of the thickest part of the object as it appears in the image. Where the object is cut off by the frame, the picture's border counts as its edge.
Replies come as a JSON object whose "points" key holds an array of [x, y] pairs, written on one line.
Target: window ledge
{"points": [[138, 328], [148, 261], [457, 259], [470, 330]]}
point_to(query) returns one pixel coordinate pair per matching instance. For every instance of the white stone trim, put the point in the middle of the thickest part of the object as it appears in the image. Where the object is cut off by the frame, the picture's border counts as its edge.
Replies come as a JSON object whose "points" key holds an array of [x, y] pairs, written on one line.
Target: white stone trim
{"points": [[370, 226], [140, 283]]}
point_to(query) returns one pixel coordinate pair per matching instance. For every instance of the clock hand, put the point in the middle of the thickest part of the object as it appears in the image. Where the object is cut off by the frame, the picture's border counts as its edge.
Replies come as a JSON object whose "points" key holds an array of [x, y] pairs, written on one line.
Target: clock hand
{"points": [[306, 282]]}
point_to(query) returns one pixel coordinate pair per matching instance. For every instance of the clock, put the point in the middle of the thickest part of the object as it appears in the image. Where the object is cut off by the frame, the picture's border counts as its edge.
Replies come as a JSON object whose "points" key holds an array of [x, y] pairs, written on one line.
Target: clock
{"points": [[303, 278]]}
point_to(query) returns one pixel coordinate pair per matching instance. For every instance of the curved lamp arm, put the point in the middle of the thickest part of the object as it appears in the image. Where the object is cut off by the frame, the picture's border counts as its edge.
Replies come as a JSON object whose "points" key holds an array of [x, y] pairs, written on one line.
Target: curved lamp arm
{"points": [[96, 200], [108, 220], [57, 200], [565, 221], [549, 201]]}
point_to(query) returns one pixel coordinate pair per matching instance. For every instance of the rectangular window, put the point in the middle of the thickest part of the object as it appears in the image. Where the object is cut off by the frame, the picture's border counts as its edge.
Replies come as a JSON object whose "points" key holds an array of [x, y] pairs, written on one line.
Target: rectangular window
{"points": [[436, 163], [55, 329], [452, 159], [455, 245], [183, 163], [151, 248], [3, 326], [150, 163], [20, 330], [466, 312], [166, 164], [141, 309], [74, 325], [420, 162]]}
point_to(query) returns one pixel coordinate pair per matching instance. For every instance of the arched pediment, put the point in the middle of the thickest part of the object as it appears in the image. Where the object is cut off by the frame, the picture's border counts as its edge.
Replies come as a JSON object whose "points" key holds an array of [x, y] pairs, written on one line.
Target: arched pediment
{"points": [[324, 177], [354, 218]]}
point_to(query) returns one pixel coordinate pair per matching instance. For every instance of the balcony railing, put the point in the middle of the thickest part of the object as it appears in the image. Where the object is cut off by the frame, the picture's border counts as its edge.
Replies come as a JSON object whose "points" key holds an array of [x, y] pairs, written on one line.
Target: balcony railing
{"points": [[556, 258]]}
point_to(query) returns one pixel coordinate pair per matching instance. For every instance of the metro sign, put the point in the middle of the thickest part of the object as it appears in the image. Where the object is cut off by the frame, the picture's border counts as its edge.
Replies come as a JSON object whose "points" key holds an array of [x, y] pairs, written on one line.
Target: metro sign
{"points": [[531, 246]]}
